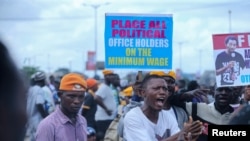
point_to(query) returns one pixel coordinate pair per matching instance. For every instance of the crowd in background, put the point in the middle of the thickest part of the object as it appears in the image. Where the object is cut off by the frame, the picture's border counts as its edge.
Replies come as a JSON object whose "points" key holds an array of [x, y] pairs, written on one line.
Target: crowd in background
{"points": [[111, 110], [107, 99]]}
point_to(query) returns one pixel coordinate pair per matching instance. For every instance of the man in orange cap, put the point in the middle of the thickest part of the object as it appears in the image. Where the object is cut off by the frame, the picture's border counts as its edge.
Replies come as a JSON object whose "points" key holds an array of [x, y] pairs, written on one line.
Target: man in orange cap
{"points": [[107, 72], [106, 108], [65, 123], [127, 94], [179, 113], [90, 106]]}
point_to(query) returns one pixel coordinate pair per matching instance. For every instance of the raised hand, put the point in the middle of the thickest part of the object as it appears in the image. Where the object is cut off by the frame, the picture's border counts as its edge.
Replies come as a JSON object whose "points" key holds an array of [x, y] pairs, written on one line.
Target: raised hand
{"points": [[196, 93], [192, 129]]}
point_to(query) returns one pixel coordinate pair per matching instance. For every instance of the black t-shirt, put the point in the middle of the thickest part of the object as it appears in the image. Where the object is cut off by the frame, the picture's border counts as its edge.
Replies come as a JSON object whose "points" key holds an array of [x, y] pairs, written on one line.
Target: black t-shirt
{"points": [[89, 113], [223, 59]]}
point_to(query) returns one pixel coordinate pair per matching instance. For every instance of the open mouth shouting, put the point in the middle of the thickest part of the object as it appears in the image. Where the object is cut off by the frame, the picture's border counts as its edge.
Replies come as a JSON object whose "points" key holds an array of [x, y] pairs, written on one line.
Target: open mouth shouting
{"points": [[160, 102]]}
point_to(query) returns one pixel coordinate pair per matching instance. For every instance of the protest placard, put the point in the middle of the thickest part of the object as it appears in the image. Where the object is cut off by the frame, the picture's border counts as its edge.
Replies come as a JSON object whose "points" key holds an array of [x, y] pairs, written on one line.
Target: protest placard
{"points": [[138, 41], [232, 59]]}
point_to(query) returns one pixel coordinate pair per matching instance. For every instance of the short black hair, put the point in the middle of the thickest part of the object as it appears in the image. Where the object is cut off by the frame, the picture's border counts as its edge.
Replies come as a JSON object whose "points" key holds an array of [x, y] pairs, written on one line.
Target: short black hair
{"points": [[192, 85], [231, 88], [230, 38], [147, 78]]}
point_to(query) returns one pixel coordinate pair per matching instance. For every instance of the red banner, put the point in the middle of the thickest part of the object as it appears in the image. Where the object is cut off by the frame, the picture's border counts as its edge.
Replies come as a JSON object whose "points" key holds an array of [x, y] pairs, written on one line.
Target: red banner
{"points": [[91, 62], [243, 40]]}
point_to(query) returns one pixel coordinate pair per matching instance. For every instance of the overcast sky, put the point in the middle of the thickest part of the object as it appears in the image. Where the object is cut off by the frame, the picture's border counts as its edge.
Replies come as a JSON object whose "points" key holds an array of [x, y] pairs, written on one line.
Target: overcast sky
{"points": [[59, 33]]}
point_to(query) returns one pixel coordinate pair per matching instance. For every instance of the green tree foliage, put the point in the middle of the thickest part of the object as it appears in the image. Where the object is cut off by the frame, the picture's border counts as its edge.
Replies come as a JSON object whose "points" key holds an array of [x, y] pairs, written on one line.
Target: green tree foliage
{"points": [[29, 70]]}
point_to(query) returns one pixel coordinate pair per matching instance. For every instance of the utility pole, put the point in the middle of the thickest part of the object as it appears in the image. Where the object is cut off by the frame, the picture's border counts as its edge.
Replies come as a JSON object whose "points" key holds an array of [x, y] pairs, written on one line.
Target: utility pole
{"points": [[200, 58], [180, 52], [229, 18], [95, 7]]}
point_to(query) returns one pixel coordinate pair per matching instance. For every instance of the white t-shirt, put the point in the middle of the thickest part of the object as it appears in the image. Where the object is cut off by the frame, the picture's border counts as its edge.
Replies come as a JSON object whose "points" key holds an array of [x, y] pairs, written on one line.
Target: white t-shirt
{"points": [[106, 93], [171, 110], [137, 127]]}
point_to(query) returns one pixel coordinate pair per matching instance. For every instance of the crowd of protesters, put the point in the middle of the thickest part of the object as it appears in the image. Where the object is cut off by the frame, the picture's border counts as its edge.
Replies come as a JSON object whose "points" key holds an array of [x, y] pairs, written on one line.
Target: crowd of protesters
{"points": [[156, 107]]}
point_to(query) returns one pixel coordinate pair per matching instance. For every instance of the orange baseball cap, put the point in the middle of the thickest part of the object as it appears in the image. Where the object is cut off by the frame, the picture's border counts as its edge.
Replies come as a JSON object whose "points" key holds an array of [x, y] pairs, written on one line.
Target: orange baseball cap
{"points": [[162, 73], [107, 72], [171, 74], [73, 82], [128, 91], [159, 73], [91, 82]]}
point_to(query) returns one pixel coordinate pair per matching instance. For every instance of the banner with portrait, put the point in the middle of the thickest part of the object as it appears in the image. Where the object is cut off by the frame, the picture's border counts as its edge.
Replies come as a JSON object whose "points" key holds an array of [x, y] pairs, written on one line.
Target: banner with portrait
{"points": [[232, 59]]}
